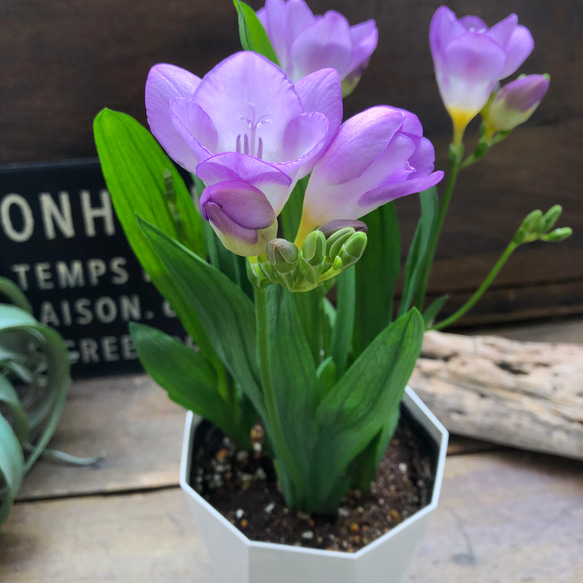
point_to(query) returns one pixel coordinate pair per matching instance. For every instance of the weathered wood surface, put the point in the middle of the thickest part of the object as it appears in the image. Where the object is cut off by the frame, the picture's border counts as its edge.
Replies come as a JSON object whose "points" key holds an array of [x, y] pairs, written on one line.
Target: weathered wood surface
{"points": [[132, 420], [129, 418], [505, 517], [525, 394], [66, 59]]}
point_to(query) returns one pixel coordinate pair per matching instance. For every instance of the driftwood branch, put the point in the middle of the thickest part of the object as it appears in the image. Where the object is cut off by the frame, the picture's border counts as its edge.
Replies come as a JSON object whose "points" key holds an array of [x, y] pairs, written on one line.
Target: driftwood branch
{"points": [[524, 394]]}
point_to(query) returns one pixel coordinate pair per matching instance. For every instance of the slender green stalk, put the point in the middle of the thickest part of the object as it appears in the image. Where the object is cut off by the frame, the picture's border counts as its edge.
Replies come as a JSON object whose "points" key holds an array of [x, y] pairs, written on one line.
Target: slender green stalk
{"points": [[280, 445], [480, 291], [443, 207]]}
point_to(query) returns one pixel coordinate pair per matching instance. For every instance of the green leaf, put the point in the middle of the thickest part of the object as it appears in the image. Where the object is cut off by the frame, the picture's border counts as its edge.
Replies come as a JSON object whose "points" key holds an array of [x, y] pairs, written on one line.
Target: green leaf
{"points": [[366, 464], [326, 374], [360, 404], [376, 275], [45, 416], [225, 312], [344, 325], [11, 467], [433, 310], [293, 378], [186, 375], [134, 166], [12, 316], [418, 257], [10, 399], [251, 31], [12, 292], [310, 307], [291, 214]]}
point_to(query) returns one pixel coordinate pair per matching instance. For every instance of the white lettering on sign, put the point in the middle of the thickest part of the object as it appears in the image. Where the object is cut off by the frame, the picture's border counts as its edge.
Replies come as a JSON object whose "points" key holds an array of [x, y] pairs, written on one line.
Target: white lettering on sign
{"points": [[43, 275], [74, 274], [90, 213], [70, 275], [17, 202], [84, 311], [59, 216]]}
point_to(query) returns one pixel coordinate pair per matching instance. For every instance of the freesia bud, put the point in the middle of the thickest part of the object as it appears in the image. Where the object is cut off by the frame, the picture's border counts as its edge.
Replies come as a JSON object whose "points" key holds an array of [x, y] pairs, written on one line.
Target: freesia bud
{"points": [[377, 156], [557, 235], [515, 103], [314, 248], [336, 241], [312, 256], [283, 255], [470, 58], [240, 215], [305, 43], [353, 249], [535, 226], [552, 216]]}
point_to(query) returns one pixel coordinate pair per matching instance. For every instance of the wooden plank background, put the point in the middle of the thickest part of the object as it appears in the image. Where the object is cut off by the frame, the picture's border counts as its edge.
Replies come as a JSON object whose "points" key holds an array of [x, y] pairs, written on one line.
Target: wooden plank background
{"points": [[63, 60]]}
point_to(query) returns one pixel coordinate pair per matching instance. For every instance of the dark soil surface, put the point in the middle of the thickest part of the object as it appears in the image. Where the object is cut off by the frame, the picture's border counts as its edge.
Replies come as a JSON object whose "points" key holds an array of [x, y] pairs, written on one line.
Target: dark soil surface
{"points": [[243, 488]]}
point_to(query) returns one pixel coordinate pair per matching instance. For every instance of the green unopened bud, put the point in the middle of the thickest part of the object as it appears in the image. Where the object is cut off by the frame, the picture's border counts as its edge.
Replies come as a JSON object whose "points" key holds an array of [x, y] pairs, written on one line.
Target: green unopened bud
{"points": [[353, 249], [557, 235], [533, 222], [312, 257], [551, 217], [314, 248], [336, 240], [283, 255]]}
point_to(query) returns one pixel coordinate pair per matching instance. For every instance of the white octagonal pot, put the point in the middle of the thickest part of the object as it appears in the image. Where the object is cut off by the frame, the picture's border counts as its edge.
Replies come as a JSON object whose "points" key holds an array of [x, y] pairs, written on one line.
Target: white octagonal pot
{"points": [[236, 559]]}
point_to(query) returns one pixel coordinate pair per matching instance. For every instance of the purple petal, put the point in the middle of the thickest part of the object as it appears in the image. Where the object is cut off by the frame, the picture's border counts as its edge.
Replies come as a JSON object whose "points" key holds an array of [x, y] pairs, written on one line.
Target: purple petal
{"points": [[503, 30], [444, 28], [518, 49], [475, 58], [304, 134], [474, 64], [411, 124], [247, 95], [365, 37], [326, 43], [189, 119], [283, 22], [241, 203], [375, 198], [164, 83], [274, 184], [523, 94], [360, 141], [322, 92]]}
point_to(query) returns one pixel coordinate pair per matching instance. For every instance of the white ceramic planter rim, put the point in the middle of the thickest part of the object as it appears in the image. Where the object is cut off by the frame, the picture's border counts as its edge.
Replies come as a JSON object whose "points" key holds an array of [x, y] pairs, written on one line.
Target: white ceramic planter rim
{"points": [[436, 430]]}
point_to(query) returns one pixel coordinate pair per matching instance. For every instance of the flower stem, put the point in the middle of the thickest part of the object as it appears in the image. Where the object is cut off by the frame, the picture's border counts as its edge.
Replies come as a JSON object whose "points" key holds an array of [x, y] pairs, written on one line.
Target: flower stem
{"points": [[456, 161], [286, 463], [480, 291]]}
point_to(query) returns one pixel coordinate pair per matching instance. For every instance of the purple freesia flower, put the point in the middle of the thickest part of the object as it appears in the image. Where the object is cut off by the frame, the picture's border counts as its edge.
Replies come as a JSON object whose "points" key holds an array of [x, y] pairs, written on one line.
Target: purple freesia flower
{"points": [[469, 59], [377, 156], [245, 120], [240, 215], [514, 103], [305, 43]]}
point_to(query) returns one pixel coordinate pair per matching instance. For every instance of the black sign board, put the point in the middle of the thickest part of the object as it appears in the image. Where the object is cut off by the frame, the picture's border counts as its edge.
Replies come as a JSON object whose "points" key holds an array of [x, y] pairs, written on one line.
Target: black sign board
{"points": [[62, 244]]}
